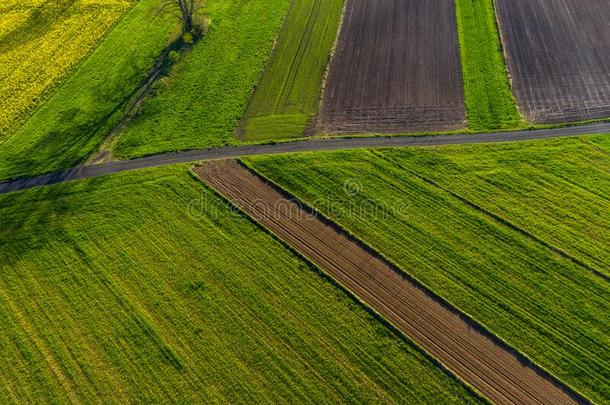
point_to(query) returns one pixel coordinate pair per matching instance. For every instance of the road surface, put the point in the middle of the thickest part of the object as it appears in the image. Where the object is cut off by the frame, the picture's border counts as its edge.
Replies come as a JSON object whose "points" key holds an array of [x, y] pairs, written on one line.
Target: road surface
{"points": [[89, 171]]}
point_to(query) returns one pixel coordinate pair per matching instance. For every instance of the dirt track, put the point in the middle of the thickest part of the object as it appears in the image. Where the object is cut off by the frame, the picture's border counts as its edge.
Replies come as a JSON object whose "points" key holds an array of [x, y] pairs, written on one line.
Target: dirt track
{"points": [[559, 57], [453, 339], [396, 69]]}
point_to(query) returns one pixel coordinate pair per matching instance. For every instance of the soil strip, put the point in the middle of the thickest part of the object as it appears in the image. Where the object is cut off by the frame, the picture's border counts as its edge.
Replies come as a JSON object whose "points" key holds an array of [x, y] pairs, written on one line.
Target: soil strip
{"points": [[456, 341], [558, 57]]}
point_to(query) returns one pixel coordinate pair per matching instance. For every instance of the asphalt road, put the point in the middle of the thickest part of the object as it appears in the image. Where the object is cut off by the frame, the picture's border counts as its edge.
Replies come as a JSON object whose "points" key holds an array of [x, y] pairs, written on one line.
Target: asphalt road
{"points": [[85, 172]]}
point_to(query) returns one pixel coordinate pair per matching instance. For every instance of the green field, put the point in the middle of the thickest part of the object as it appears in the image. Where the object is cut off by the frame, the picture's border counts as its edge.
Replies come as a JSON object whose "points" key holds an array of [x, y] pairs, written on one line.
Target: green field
{"points": [[147, 287], [209, 91], [41, 41], [490, 103], [288, 95], [475, 223], [71, 124], [129, 288], [557, 190]]}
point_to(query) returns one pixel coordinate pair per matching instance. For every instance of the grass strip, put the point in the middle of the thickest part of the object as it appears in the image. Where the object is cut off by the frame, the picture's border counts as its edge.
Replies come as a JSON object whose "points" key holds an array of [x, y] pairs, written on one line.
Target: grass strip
{"points": [[288, 95], [490, 103]]}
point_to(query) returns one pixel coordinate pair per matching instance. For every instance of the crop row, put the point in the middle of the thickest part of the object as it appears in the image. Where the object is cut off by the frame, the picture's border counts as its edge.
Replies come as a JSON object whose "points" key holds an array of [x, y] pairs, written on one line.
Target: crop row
{"points": [[288, 95]]}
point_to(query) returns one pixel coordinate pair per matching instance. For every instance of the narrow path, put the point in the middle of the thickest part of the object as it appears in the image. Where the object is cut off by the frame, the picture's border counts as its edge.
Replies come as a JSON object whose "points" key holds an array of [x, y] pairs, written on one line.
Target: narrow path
{"points": [[104, 152], [84, 172], [454, 339]]}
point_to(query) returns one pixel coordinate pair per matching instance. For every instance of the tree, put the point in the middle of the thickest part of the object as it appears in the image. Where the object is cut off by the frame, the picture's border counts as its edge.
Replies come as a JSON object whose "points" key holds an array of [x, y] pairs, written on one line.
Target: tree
{"points": [[184, 10]]}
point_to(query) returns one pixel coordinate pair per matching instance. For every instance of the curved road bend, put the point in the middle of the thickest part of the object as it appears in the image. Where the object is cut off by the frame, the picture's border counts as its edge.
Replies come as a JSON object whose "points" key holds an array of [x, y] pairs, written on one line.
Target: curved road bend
{"points": [[85, 172]]}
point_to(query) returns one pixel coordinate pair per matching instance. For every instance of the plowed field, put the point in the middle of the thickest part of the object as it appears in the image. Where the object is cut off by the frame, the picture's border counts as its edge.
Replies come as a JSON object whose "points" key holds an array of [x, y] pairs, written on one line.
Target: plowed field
{"points": [[396, 69], [492, 369], [559, 57]]}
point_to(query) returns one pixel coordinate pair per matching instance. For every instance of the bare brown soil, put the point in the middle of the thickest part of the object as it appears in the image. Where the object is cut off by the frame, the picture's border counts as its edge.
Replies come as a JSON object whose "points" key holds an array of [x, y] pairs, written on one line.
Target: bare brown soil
{"points": [[396, 69], [450, 337], [559, 57]]}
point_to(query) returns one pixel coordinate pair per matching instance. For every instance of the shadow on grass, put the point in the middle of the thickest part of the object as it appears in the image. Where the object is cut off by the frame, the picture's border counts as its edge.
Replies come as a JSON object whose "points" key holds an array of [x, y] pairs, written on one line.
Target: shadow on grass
{"points": [[67, 136], [37, 219]]}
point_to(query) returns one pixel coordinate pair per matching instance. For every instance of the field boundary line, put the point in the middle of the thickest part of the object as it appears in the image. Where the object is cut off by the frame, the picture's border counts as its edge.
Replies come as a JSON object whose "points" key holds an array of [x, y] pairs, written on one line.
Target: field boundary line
{"points": [[498, 219], [331, 57], [505, 56], [464, 315]]}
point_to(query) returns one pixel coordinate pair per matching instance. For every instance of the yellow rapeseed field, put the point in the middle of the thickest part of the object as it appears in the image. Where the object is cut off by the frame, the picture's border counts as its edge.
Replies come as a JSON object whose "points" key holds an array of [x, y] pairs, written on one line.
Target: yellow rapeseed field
{"points": [[41, 41]]}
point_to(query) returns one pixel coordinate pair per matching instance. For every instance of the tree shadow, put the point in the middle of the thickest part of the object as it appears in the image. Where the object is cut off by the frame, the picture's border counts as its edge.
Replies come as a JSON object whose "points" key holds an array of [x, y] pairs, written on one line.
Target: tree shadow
{"points": [[64, 137], [42, 217]]}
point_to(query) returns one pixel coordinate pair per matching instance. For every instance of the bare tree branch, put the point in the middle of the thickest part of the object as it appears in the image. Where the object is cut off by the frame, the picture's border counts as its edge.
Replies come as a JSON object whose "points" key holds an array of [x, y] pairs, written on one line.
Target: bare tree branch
{"points": [[185, 10]]}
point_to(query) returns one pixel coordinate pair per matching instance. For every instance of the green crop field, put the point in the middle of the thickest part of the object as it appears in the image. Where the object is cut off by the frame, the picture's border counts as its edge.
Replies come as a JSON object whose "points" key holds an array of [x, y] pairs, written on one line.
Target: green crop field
{"points": [[483, 227], [210, 89], [41, 41], [490, 103], [71, 124], [288, 95], [557, 190], [129, 288], [146, 286]]}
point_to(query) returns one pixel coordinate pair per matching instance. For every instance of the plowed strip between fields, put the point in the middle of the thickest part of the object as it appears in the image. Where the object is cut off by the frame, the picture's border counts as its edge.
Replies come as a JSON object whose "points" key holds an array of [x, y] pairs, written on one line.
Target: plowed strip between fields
{"points": [[451, 337]]}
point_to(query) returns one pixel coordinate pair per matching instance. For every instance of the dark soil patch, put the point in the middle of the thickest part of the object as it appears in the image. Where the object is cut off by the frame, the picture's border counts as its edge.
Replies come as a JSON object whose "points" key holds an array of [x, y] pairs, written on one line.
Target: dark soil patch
{"points": [[559, 57], [396, 69]]}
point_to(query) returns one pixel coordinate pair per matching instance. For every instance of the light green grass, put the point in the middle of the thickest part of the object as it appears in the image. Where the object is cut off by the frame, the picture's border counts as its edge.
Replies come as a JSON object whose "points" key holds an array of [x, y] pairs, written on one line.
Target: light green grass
{"points": [[490, 103], [288, 95], [210, 89], [69, 127], [281, 126], [147, 287], [401, 203]]}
